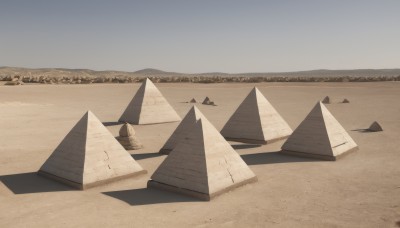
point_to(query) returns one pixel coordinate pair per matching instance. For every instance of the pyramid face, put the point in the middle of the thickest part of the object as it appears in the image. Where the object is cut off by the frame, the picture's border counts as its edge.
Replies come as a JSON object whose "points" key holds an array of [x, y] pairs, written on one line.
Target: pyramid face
{"points": [[320, 134], [256, 120], [203, 163], [149, 106], [186, 125], [89, 155]]}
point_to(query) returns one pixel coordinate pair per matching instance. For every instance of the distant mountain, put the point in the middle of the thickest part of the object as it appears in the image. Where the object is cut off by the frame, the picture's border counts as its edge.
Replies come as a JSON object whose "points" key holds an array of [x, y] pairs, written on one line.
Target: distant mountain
{"points": [[150, 72]]}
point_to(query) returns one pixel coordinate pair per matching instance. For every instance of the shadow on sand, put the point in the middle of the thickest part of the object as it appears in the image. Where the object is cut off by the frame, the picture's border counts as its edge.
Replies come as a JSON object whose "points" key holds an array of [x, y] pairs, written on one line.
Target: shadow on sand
{"points": [[146, 155], [112, 123], [148, 196], [25, 183], [366, 130], [245, 146], [272, 158]]}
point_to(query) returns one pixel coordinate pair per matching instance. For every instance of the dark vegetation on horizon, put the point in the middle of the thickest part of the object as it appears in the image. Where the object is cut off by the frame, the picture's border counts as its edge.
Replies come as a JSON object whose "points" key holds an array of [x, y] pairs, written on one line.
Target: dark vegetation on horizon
{"points": [[85, 76]]}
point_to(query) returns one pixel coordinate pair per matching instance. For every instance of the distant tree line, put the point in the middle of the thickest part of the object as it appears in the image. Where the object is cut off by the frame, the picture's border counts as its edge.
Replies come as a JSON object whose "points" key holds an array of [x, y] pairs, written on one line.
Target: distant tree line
{"points": [[189, 79]]}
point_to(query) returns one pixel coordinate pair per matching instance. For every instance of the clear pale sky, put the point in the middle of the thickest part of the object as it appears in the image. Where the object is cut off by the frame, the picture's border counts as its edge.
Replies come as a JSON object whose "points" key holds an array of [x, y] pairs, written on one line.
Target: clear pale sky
{"points": [[201, 36]]}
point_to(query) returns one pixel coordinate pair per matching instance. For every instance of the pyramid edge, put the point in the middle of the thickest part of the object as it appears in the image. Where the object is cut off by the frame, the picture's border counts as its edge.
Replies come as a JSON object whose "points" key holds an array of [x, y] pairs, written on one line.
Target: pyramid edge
{"points": [[199, 195], [255, 141], [80, 186], [318, 156]]}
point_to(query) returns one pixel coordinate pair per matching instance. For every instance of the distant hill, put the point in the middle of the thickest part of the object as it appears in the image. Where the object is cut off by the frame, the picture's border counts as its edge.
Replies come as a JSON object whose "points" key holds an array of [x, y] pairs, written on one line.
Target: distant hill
{"points": [[150, 72], [153, 72]]}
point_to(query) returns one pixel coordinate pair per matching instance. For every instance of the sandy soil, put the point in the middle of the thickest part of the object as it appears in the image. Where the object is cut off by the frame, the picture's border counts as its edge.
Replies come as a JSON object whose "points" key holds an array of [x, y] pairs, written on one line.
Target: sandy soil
{"points": [[360, 190]]}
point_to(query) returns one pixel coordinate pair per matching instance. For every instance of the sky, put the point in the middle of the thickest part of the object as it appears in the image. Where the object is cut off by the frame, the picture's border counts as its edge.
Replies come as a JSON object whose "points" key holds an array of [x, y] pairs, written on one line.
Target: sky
{"points": [[201, 36]]}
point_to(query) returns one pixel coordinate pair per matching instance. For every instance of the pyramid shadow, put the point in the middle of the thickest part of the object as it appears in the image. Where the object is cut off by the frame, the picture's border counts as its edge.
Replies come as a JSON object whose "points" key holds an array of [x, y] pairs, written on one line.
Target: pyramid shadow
{"points": [[111, 123], [366, 130], [25, 183], [148, 196], [245, 146], [273, 158], [146, 155]]}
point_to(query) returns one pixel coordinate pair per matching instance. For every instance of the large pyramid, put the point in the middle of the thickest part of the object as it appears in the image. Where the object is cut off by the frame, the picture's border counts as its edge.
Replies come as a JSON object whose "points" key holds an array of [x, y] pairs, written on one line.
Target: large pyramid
{"points": [[202, 165], [88, 156], [188, 122], [256, 121], [149, 106], [320, 136]]}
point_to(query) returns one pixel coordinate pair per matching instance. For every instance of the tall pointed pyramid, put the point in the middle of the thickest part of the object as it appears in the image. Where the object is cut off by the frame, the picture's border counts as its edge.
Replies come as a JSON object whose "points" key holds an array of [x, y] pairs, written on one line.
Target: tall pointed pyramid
{"points": [[202, 165], [187, 124], [88, 156], [149, 106], [256, 121], [320, 135]]}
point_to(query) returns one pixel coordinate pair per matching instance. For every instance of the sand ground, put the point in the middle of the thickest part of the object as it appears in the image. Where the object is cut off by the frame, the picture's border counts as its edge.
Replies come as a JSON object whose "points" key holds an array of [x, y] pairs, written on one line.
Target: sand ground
{"points": [[360, 190]]}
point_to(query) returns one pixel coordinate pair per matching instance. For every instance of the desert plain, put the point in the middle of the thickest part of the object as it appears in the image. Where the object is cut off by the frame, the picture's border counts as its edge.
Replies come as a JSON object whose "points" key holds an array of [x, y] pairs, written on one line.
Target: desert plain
{"points": [[361, 189]]}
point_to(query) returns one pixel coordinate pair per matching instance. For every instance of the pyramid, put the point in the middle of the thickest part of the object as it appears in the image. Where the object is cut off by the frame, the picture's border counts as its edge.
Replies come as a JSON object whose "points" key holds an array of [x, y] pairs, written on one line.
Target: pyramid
{"points": [[320, 136], [193, 101], [149, 106], [256, 121], [89, 156], [375, 126], [206, 101], [127, 138], [186, 125], [345, 101], [203, 165], [326, 100]]}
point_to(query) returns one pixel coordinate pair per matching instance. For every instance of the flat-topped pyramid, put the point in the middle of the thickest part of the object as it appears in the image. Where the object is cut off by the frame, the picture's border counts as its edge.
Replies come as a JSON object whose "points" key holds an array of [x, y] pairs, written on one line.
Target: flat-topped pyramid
{"points": [[187, 124], [202, 165], [256, 121], [320, 135], [149, 106], [88, 156]]}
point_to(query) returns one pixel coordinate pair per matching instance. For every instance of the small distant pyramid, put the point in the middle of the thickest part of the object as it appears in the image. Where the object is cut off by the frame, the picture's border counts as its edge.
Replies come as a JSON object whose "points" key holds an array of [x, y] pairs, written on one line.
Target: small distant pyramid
{"points": [[203, 165], [193, 101], [127, 138], [186, 125], [326, 100], [320, 136], [206, 101], [149, 106], [345, 101], [375, 126], [256, 121], [89, 156]]}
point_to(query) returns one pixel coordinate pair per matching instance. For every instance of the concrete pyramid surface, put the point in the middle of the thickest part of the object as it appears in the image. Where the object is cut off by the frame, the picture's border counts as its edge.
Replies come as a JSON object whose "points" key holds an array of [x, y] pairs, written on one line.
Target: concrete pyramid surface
{"points": [[202, 165], [320, 135], [256, 121], [149, 106], [186, 125], [88, 156]]}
